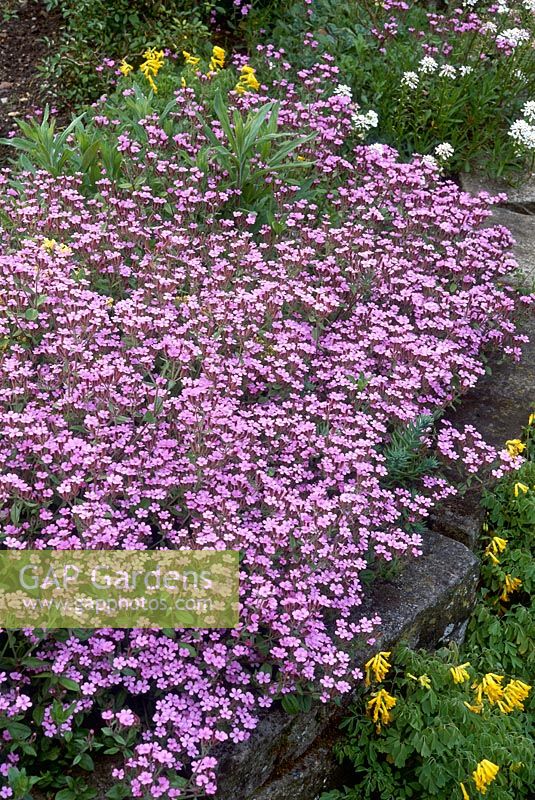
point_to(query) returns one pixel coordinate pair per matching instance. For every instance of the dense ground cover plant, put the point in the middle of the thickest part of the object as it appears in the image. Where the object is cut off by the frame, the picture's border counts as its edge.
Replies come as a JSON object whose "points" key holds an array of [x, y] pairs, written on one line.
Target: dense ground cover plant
{"points": [[448, 80], [185, 364], [429, 721]]}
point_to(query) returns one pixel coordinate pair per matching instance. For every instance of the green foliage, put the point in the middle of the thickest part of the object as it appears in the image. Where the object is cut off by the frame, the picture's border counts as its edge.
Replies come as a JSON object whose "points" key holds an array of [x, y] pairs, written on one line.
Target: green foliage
{"points": [[435, 740], [249, 153], [407, 456], [99, 29], [472, 112]]}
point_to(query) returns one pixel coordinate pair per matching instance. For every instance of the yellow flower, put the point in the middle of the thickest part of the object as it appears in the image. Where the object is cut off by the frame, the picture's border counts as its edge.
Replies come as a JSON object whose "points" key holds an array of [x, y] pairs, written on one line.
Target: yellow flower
{"points": [[125, 68], [191, 60], [521, 487], [466, 796], [510, 586], [183, 82], [475, 709], [379, 707], [484, 774], [423, 680], [48, 245], [154, 60], [491, 686], [247, 80], [531, 419], [515, 447], [495, 546], [379, 666], [109, 302], [460, 674], [65, 249], [514, 695], [218, 59]]}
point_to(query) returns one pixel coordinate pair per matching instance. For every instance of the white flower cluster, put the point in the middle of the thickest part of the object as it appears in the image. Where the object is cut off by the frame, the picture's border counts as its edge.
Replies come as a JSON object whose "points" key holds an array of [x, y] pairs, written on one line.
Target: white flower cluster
{"points": [[444, 151], [512, 37], [428, 65], [344, 90], [410, 79], [465, 71], [523, 130], [502, 7], [363, 122], [447, 71], [528, 111], [529, 5]]}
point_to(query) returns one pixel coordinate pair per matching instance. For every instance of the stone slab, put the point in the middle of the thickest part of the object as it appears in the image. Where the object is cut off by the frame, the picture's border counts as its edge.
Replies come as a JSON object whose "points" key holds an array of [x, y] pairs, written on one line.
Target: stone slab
{"points": [[521, 192]]}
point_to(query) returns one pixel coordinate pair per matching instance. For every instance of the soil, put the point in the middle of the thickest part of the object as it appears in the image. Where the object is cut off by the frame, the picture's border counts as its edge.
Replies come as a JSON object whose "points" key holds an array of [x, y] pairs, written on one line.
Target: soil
{"points": [[24, 26]]}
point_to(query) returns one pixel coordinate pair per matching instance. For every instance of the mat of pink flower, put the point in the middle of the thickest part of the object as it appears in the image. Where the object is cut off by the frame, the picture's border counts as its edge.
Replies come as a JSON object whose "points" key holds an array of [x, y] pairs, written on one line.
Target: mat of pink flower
{"points": [[193, 379]]}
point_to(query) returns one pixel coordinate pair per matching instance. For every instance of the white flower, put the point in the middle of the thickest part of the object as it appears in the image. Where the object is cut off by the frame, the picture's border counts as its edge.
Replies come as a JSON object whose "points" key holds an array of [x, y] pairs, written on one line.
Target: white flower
{"points": [[447, 71], [528, 111], [489, 27], [523, 133], [410, 79], [377, 147], [529, 5], [470, 3], [428, 65], [363, 122], [444, 151], [344, 90], [502, 7], [466, 70], [512, 37]]}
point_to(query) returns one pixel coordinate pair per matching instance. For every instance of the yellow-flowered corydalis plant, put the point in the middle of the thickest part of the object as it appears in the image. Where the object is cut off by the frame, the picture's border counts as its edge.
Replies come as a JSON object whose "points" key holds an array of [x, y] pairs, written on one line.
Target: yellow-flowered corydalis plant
{"points": [[511, 585], [515, 447], [495, 546], [377, 666], [465, 794], [490, 686], [125, 68], [247, 80], [460, 674], [154, 60], [379, 707], [484, 774], [423, 680], [217, 60], [513, 696], [520, 487], [189, 59]]}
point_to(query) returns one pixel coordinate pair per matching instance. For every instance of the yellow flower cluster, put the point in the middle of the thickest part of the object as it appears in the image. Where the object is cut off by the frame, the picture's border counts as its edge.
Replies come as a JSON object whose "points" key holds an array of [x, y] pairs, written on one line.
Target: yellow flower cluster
{"points": [[247, 80], [125, 68], [484, 774], [520, 487], [379, 666], [218, 59], [490, 686], [51, 246], [513, 696], [153, 63], [189, 59], [379, 707], [423, 680], [515, 447], [495, 546], [510, 586], [460, 674]]}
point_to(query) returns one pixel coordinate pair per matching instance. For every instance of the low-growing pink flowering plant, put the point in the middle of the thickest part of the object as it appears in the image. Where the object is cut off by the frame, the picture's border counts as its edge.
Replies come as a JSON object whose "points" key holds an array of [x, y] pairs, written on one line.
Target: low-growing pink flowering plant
{"points": [[180, 371]]}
